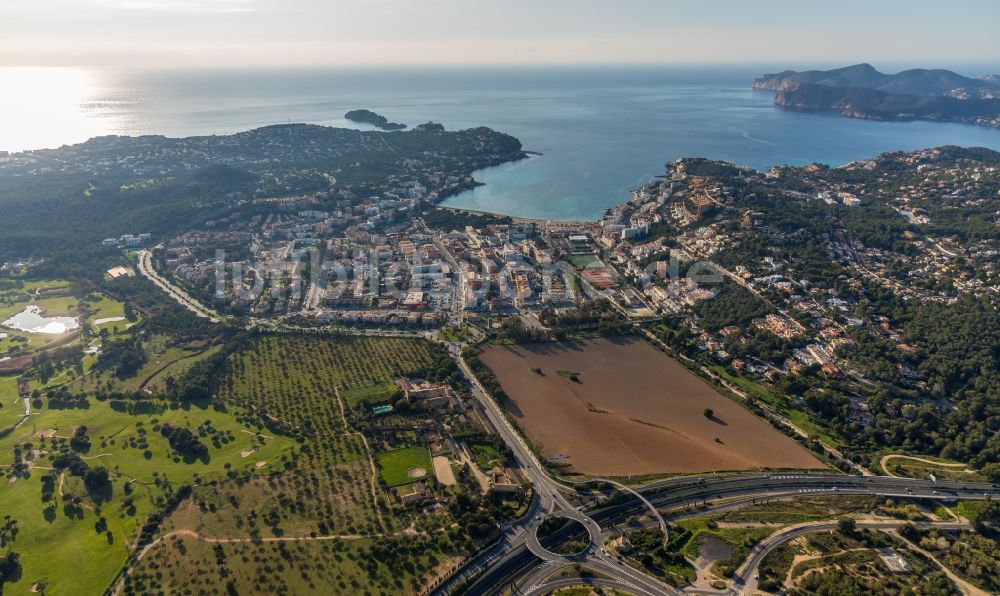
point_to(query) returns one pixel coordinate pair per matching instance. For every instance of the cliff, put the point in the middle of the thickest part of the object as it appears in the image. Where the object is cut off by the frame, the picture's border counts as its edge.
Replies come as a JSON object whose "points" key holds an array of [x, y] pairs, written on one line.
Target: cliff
{"points": [[860, 102], [861, 91], [917, 81]]}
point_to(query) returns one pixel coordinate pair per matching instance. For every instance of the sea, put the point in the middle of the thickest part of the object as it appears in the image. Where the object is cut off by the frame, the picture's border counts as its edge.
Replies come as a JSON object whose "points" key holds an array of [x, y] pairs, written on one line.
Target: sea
{"points": [[600, 131]]}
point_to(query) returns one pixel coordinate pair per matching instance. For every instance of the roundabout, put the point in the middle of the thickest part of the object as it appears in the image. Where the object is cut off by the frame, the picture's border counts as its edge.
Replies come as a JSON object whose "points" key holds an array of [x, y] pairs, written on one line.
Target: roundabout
{"points": [[563, 536]]}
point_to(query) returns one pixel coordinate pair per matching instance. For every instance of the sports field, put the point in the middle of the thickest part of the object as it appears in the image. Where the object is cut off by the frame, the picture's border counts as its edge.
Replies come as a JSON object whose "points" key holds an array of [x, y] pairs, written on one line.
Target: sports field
{"points": [[404, 466], [632, 410]]}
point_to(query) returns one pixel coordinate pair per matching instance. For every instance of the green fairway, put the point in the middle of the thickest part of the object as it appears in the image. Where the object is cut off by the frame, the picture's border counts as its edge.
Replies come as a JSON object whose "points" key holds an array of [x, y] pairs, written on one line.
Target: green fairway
{"points": [[143, 471], [55, 299], [107, 308], [56, 306], [117, 438], [164, 359], [11, 406], [177, 367]]}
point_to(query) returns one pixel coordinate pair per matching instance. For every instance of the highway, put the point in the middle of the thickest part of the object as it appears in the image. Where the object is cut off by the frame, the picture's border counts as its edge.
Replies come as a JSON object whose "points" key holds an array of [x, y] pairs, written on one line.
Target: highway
{"points": [[694, 497], [746, 574], [145, 263], [549, 501], [716, 493], [519, 563]]}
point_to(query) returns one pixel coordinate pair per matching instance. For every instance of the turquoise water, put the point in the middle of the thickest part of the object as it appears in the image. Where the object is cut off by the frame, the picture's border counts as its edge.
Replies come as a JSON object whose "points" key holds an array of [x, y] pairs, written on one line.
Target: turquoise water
{"points": [[602, 131]]}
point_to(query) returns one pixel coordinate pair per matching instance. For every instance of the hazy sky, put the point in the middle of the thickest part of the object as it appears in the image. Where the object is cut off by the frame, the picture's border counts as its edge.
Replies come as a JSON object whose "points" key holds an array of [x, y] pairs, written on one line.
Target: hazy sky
{"points": [[337, 32]]}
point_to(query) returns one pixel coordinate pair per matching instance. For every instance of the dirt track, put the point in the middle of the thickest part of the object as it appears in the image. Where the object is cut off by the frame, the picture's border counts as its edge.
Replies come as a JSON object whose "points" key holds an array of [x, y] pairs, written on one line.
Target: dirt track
{"points": [[634, 411]]}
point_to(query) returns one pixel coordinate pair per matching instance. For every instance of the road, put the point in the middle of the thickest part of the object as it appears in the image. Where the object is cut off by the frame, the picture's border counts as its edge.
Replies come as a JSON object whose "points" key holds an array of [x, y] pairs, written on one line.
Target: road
{"points": [[509, 563], [456, 314], [519, 561], [713, 494], [746, 574], [549, 501], [313, 296], [180, 296], [620, 585]]}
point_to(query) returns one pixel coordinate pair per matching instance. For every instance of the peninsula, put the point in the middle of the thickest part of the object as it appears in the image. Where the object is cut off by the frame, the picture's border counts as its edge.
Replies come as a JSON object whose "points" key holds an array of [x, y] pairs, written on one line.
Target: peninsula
{"points": [[861, 91]]}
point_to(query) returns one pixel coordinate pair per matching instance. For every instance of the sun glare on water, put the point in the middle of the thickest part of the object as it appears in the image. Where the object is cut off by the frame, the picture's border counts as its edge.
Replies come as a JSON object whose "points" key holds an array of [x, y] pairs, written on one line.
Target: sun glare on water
{"points": [[47, 107]]}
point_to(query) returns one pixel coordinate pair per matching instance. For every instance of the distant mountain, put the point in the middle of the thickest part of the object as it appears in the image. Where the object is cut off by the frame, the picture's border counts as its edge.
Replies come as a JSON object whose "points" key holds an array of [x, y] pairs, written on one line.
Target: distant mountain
{"points": [[917, 81], [861, 91]]}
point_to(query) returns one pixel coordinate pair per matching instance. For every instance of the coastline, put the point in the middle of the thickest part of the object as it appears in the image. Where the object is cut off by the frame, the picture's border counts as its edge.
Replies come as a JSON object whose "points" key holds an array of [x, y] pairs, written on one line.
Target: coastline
{"points": [[552, 223]]}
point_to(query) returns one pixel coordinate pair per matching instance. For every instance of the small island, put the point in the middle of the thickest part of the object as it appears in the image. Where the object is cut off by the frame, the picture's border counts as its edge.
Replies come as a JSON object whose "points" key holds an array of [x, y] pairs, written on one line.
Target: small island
{"points": [[370, 117], [861, 91]]}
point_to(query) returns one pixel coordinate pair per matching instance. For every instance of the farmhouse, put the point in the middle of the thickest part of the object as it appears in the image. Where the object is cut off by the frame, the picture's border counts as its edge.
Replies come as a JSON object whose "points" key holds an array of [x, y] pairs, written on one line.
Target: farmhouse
{"points": [[504, 482], [418, 494], [429, 395]]}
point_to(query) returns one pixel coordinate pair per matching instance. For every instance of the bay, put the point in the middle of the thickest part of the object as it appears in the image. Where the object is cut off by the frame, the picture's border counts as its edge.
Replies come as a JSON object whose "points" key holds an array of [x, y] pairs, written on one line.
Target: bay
{"points": [[601, 130]]}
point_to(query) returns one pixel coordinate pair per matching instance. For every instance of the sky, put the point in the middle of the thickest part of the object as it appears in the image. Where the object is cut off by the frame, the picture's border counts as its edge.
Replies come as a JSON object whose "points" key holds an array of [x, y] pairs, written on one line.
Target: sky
{"points": [[194, 33]]}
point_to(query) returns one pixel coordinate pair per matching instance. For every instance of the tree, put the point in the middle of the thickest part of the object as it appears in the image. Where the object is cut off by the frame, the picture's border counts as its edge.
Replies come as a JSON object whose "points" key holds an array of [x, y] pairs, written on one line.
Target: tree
{"points": [[10, 568], [71, 462], [709, 413], [910, 532], [97, 480], [183, 441], [987, 519], [847, 525], [80, 441], [992, 471]]}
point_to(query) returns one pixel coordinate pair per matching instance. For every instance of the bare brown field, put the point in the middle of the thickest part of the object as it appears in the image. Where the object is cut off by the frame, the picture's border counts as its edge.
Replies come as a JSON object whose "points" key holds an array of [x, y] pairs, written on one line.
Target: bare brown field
{"points": [[633, 411]]}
